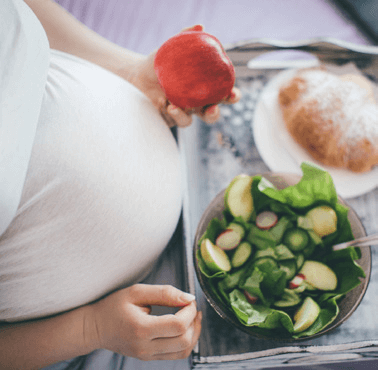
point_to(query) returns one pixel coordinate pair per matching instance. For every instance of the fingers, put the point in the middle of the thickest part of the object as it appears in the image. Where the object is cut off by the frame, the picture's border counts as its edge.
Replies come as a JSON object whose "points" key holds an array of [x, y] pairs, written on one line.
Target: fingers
{"points": [[210, 114], [178, 117], [175, 116], [172, 325], [159, 295], [181, 118], [234, 96], [178, 347], [124, 324]]}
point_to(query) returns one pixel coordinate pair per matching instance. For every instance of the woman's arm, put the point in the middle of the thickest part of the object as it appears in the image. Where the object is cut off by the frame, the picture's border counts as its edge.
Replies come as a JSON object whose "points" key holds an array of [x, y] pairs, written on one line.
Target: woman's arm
{"points": [[66, 33], [121, 323], [38, 343]]}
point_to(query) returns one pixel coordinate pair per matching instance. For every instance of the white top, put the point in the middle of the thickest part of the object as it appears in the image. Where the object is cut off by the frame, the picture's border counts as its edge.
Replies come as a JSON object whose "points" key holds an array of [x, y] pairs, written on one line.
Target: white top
{"points": [[102, 195], [24, 53]]}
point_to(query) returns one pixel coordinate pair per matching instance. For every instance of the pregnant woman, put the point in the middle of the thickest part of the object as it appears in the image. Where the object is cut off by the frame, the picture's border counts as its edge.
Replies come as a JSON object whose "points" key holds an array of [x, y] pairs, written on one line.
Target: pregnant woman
{"points": [[90, 196]]}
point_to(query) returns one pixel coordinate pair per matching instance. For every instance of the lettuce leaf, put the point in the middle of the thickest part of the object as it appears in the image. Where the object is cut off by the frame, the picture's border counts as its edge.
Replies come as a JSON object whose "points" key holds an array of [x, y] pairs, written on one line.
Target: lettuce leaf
{"points": [[315, 186], [214, 228], [262, 239], [259, 315], [252, 285]]}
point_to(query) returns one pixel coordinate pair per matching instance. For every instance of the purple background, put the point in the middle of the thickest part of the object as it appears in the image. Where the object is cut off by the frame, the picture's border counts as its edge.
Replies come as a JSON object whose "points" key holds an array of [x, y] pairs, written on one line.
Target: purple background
{"points": [[143, 25]]}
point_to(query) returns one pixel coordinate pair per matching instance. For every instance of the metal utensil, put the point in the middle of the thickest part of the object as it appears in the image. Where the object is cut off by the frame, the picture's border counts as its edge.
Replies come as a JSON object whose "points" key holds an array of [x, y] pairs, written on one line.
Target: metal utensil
{"points": [[365, 241]]}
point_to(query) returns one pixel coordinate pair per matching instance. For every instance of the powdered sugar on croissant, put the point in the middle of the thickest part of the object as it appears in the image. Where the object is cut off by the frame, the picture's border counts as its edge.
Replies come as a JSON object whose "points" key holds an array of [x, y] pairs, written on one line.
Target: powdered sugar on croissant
{"points": [[334, 119]]}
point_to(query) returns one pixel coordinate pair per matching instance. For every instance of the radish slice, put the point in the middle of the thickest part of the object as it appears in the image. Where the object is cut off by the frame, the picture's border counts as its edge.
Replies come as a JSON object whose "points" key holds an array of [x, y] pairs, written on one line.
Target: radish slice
{"points": [[265, 220], [228, 239], [250, 298], [296, 281]]}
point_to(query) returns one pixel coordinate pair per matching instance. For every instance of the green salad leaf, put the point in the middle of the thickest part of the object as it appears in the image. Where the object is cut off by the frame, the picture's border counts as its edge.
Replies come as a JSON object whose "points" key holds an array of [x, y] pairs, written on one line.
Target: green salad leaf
{"points": [[315, 186], [259, 315], [252, 285], [262, 239]]}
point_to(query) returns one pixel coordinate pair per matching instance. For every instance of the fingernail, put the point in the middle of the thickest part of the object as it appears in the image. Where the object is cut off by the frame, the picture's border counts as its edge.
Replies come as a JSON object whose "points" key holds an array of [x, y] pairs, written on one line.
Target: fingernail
{"points": [[187, 297]]}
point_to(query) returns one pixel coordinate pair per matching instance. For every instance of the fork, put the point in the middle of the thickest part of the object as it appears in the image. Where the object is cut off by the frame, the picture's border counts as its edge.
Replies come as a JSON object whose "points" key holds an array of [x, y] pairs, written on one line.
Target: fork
{"points": [[365, 241]]}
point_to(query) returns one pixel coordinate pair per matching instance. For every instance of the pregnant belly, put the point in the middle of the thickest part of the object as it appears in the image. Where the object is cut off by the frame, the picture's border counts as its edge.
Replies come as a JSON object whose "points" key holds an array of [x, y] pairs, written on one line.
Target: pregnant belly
{"points": [[102, 196]]}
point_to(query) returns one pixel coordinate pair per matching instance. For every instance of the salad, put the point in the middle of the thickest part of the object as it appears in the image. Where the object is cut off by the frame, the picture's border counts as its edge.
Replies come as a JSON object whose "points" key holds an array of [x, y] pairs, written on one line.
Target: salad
{"points": [[270, 259]]}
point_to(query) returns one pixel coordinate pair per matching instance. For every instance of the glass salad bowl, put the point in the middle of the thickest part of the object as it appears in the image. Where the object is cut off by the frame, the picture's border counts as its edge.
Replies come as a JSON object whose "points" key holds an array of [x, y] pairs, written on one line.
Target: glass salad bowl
{"points": [[261, 317]]}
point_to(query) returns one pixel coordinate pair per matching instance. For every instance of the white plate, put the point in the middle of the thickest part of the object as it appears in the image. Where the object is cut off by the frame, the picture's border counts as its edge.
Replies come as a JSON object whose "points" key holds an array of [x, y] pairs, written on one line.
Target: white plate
{"points": [[282, 154]]}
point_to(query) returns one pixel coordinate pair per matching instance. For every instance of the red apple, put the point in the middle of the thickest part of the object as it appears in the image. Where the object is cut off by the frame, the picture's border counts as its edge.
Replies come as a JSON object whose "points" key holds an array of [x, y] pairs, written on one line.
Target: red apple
{"points": [[194, 70]]}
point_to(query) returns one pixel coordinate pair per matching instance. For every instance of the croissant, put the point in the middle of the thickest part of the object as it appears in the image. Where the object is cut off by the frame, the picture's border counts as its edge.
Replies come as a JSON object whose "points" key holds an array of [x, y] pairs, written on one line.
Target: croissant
{"points": [[334, 118]]}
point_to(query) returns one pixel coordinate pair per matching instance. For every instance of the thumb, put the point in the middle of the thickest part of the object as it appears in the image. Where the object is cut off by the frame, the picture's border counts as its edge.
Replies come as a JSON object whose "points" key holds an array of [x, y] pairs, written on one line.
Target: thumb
{"points": [[160, 295]]}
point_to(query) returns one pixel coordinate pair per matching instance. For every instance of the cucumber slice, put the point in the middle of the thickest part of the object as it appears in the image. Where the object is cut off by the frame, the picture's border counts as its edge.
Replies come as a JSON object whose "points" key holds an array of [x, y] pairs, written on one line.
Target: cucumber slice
{"points": [[241, 254], [237, 228], [299, 259], [265, 264], [289, 267], [306, 223], [289, 298], [296, 239], [263, 253]]}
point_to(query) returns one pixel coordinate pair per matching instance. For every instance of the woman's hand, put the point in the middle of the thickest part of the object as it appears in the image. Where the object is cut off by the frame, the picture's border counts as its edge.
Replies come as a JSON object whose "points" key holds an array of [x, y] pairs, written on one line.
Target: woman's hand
{"points": [[143, 76], [122, 323], [67, 34]]}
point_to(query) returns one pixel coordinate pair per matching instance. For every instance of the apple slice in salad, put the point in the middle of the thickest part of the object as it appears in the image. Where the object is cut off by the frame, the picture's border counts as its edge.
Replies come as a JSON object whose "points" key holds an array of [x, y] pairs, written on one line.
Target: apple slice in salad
{"points": [[319, 275], [215, 258], [306, 315], [238, 197]]}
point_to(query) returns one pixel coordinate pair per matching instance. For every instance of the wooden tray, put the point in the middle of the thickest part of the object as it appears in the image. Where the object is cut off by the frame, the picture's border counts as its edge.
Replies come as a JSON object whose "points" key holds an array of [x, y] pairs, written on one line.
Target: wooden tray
{"points": [[212, 155]]}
